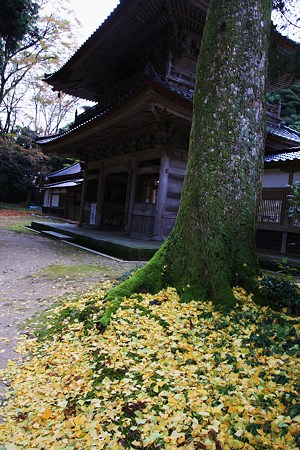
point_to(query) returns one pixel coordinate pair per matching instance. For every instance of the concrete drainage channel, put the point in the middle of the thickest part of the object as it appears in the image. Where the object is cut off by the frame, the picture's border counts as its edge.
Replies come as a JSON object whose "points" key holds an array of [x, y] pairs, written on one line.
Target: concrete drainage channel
{"points": [[68, 240]]}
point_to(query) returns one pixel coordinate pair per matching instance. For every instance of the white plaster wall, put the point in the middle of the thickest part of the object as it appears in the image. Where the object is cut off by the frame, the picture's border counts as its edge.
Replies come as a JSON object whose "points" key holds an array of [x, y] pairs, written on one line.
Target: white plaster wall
{"points": [[275, 178], [46, 198], [55, 201], [296, 177]]}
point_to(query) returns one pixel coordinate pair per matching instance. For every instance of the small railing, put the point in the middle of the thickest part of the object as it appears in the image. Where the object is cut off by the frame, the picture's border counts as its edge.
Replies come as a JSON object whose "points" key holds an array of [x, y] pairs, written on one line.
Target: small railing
{"points": [[181, 76], [276, 230], [274, 209]]}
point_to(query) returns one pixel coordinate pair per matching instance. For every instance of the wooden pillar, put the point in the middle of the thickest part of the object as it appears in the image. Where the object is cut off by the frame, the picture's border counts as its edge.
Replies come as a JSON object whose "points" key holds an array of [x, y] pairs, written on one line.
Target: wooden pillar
{"points": [[285, 222], [169, 64], [50, 200], [161, 197], [66, 198], [132, 194], [100, 196], [83, 197]]}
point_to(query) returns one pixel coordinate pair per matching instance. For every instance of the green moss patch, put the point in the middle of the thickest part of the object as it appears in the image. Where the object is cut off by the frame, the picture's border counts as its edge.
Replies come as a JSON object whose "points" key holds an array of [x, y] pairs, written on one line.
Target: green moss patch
{"points": [[74, 271]]}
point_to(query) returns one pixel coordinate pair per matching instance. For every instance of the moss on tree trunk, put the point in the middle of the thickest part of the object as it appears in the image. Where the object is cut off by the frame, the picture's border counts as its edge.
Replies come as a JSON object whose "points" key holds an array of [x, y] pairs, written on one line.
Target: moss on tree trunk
{"points": [[212, 246]]}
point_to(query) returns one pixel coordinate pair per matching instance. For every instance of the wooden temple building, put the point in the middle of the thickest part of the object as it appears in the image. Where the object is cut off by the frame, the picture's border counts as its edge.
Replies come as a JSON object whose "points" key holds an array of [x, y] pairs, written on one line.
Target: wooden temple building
{"points": [[62, 192], [139, 68]]}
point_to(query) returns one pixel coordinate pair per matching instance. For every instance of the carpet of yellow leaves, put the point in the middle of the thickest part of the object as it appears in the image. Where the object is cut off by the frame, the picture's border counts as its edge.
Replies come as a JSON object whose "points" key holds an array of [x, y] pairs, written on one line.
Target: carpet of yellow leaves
{"points": [[163, 375]]}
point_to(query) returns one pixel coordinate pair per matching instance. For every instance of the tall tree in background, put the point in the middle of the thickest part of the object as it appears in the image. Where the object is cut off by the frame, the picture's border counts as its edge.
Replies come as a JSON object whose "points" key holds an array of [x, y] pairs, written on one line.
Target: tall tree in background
{"points": [[19, 39], [17, 171], [48, 113], [33, 38], [212, 246]]}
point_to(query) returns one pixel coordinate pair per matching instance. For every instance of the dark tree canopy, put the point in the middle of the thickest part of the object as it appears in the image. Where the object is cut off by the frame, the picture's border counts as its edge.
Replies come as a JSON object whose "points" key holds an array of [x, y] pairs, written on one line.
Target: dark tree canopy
{"points": [[17, 19], [290, 104], [23, 166], [17, 170]]}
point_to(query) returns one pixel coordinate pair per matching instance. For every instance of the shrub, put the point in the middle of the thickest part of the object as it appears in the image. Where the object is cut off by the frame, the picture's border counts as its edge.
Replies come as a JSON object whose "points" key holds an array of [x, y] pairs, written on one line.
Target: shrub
{"points": [[281, 292], [294, 201]]}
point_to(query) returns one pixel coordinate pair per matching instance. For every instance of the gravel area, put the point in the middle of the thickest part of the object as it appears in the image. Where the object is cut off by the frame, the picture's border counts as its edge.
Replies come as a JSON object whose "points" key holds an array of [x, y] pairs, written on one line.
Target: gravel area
{"points": [[30, 283]]}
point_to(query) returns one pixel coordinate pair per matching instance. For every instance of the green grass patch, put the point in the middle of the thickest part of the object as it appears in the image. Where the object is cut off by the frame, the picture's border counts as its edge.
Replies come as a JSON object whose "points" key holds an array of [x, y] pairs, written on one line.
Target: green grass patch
{"points": [[20, 226], [17, 223], [13, 206], [74, 272]]}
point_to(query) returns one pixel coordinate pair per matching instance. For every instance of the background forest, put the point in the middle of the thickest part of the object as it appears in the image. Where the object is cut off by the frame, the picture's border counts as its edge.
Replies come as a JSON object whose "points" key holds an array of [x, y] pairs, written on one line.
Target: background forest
{"points": [[35, 39], [290, 104]]}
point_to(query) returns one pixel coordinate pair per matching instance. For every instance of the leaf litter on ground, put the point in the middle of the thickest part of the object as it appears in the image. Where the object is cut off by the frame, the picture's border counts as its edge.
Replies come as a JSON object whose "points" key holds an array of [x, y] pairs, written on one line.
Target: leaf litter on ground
{"points": [[164, 374]]}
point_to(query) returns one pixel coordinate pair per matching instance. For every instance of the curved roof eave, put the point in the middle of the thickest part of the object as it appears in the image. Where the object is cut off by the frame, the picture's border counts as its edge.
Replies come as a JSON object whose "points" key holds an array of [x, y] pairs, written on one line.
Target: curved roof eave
{"points": [[83, 48], [277, 131], [126, 104], [291, 154]]}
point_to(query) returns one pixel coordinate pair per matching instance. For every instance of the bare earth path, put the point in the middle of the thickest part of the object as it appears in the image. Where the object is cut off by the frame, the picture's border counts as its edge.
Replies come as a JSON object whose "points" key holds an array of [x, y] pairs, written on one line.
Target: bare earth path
{"points": [[34, 270]]}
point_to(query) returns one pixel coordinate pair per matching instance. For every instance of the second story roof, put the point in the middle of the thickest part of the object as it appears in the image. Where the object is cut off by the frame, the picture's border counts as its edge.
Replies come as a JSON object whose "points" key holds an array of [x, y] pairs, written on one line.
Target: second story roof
{"points": [[125, 42]]}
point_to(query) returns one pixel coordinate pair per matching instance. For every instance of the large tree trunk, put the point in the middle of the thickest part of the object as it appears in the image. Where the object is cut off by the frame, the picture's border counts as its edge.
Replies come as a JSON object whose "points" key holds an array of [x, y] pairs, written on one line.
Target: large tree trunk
{"points": [[212, 247], [214, 234]]}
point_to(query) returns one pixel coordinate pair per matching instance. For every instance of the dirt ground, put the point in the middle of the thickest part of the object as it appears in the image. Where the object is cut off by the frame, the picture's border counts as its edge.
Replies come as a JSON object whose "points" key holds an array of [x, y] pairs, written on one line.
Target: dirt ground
{"points": [[36, 270]]}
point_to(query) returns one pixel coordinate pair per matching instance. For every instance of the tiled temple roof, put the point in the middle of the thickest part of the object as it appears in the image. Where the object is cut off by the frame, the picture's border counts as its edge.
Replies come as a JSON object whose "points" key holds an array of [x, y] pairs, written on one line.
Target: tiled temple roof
{"points": [[188, 95], [64, 184], [292, 155], [96, 111], [71, 170], [126, 33], [278, 130], [283, 131]]}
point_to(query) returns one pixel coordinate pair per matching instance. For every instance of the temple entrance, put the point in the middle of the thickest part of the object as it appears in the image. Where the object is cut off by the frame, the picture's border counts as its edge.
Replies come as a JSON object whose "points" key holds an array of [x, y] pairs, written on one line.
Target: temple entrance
{"points": [[114, 202], [144, 207]]}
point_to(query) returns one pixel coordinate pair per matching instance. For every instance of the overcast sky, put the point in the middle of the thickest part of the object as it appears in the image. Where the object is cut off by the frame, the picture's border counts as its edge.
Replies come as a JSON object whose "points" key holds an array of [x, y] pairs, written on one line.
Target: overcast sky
{"points": [[92, 13]]}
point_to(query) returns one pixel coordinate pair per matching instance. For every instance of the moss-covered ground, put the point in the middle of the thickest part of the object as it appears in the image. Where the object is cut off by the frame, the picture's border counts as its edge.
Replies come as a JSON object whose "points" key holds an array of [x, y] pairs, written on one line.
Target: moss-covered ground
{"points": [[74, 271]]}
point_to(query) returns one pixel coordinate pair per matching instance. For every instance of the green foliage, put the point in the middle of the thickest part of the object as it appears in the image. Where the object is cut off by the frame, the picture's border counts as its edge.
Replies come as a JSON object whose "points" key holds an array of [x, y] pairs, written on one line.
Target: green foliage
{"points": [[17, 20], [285, 268], [23, 166], [281, 292], [55, 163], [290, 104], [24, 137], [294, 200], [17, 170], [12, 206]]}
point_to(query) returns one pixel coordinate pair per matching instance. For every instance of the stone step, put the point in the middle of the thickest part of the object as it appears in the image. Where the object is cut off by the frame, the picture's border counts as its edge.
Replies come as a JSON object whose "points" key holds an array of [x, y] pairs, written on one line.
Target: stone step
{"points": [[56, 235]]}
